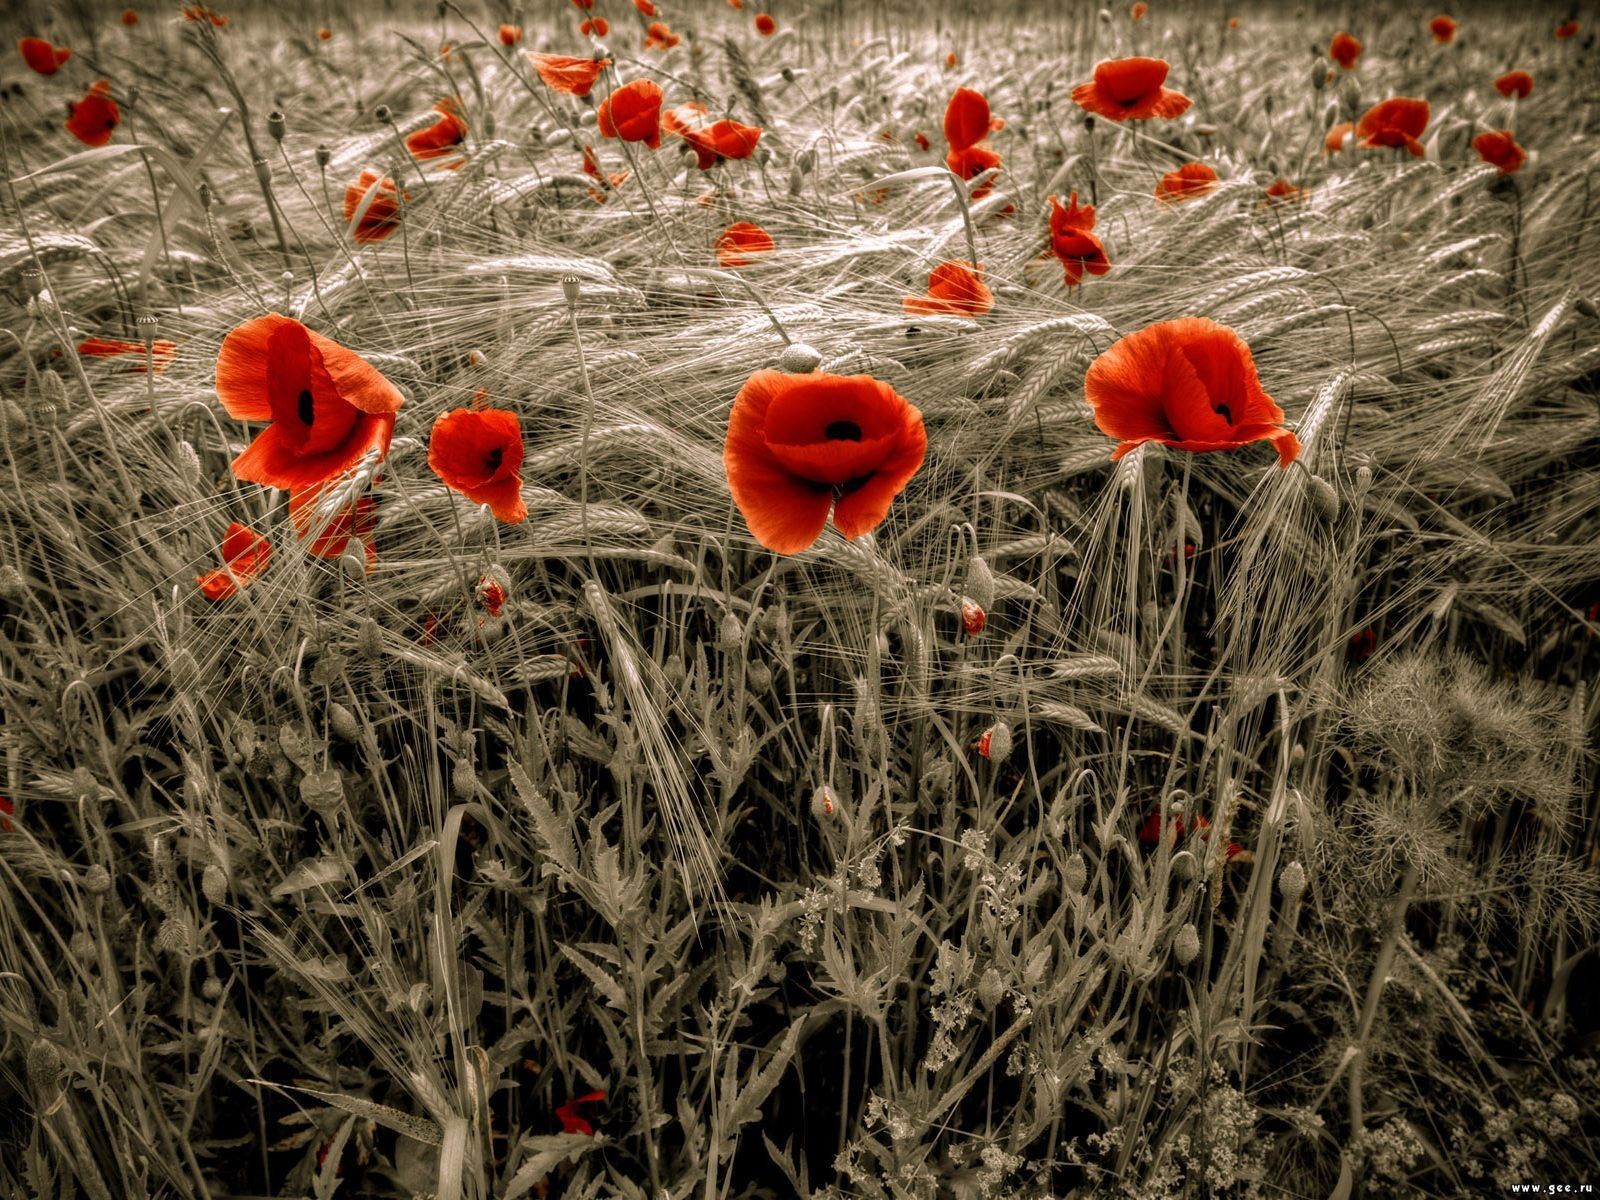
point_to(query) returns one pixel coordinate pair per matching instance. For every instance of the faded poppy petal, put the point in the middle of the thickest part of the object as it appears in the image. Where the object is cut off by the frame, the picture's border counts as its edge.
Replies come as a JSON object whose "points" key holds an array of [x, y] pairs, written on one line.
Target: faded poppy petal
{"points": [[797, 443], [765, 25], [1344, 50], [1072, 241], [443, 138], [1187, 182], [966, 119], [563, 73], [478, 452], [161, 352], [381, 217], [1190, 384], [93, 119], [1130, 89], [1394, 122], [954, 288], [633, 113], [645, 7], [41, 56], [1138, 9], [741, 240], [245, 555], [1514, 83], [1498, 147], [572, 1119], [1442, 28], [1335, 140]]}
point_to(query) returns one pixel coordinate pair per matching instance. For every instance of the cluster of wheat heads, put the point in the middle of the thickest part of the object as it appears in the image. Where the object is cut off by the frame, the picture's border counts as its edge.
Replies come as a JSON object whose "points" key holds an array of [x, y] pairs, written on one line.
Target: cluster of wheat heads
{"points": [[1185, 825]]}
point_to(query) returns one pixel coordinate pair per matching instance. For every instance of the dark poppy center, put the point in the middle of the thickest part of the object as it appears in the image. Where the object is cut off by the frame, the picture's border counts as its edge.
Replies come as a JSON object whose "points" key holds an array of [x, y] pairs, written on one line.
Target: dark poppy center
{"points": [[842, 431], [308, 408], [1224, 411], [491, 460]]}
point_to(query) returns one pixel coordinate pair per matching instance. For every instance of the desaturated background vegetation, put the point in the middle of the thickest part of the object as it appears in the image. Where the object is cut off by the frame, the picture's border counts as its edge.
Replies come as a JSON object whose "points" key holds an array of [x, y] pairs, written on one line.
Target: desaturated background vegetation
{"points": [[343, 886]]}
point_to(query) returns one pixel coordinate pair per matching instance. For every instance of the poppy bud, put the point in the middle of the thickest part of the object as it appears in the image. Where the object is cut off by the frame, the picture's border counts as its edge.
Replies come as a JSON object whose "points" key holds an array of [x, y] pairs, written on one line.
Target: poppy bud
{"points": [[1186, 945], [1292, 883], [384, 114], [758, 675], [799, 359], [973, 618], [1088, 123], [188, 463], [324, 155], [570, 289], [343, 723], [1184, 865], [33, 281], [1586, 307], [980, 581], [806, 160], [464, 779], [97, 880], [214, 884], [369, 638], [730, 633], [995, 742], [44, 1075], [825, 806], [991, 988], [211, 989], [1076, 873], [1319, 76], [797, 180], [276, 125], [1323, 498], [51, 390], [354, 565]]}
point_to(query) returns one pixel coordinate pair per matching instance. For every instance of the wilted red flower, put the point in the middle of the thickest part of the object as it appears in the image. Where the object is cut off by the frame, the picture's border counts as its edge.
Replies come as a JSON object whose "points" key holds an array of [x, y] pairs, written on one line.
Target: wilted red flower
{"points": [[1138, 10], [328, 406], [478, 452], [572, 1121], [330, 532], [658, 37], [1281, 190], [954, 288], [161, 352], [1187, 182], [798, 445], [510, 35], [1395, 122], [492, 593], [1566, 30], [564, 73], [1190, 384], [245, 555], [1498, 147], [591, 167], [633, 113], [93, 119], [199, 12], [1344, 50], [598, 26], [382, 214], [739, 241], [41, 56], [443, 138], [1073, 242], [765, 25], [130, 17], [1130, 89], [1334, 142], [1515, 83], [1442, 28]]}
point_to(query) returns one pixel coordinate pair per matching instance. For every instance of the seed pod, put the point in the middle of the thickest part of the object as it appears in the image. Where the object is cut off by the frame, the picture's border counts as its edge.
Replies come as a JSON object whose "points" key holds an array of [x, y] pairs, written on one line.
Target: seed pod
{"points": [[1186, 945], [343, 723], [324, 156], [1292, 883], [464, 779], [276, 125], [799, 359], [730, 633], [1076, 873], [188, 463], [33, 281], [214, 884], [995, 742], [758, 675], [991, 988], [825, 807], [97, 880], [384, 114], [1324, 500], [571, 289]]}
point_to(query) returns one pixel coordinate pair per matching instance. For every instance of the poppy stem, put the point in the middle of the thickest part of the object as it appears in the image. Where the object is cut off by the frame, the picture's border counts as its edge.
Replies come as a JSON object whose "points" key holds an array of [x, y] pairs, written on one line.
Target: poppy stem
{"points": [[966, 217], [571, 287]]}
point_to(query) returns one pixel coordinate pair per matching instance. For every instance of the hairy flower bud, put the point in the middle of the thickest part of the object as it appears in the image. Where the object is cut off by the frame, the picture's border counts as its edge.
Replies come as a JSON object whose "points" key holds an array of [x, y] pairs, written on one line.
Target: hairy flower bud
{"points": [[799, 359], [1186, 945], [1292, 882], [991, 988], [825, 807], [187, 460], [97, 880], [343, 723], [995, 742], [758, 675], [214, 884], [1076, 873], [1324, 500]]}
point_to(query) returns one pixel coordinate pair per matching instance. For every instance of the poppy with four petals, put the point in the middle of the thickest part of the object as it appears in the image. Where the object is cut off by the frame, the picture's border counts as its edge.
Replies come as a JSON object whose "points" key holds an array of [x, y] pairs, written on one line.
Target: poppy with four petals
{"points": [[1344, 50], [478, 452], [800, 445], [1498, 147], [1395, 122], [93, 119], [381, 216], [327, 406], [1126, 89], [245, 555], [41, 56], [1072, 240], [954, 289], [633, 113], [1187, 182], [567, 74], [1190, 384], [1514, 83], [739, 241]]}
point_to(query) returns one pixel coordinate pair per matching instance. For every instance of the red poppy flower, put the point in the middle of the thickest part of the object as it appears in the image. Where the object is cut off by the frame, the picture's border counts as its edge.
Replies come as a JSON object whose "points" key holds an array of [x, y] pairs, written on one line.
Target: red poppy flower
{"points": [[736, 3], [1497, 146], [510, 35], [382, 215], [633, 113], [1138, 10], [130, 17], [1150, 831], [1072, 241], [199, 12], [583, 4], [799, 445], [1282, 191], [7, 811], [765, 25], [966, 119], [1190, 384], [658, 37], [572, 1121], [93, 119], [1514, 83], [714, 142], [328, 534], [443, 138], [328, 406], [954, 288], [598, 26], [245, 555], [922, 141], [1233, 22], [1566, 30], [1130, 89], [741, 240], [645, 7], [1396, 122], [1344, 50], [950, 60], [1442, 28], [1187, 182], [972, 162], [478, 452], [491, 594], [564, 73], [1334, 142], [325, 34], [161, 352], [41, 56]]}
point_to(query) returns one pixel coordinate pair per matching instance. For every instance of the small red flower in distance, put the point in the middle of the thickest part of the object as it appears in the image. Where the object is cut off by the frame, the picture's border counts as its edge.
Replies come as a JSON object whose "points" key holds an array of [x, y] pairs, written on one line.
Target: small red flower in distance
{"points": [[1130, 89], [443, 138], [1073, 242], [955, 289], [950, 60], [1442, 28], [381, 217], [564, 73], [765, 25], [922, 141], [584, 4], [1187, 182], [645, 7], [328, 406], [1344, 50], [130, 17], [632, 113], [161, 352], [1138, 10], [1150, 831], [93, 119], [1395, 122], [41, 56], [510, 35], [1497, 146], [1514, 83], [478, 452], [1285, 192], [741, 240], [714, 142], [799, 445], [658, 37], [570, 1115], [598, 26], [199, 12], [1233, 22], [7, 811], [1566, 30], [1190, 384], [245, 555]]}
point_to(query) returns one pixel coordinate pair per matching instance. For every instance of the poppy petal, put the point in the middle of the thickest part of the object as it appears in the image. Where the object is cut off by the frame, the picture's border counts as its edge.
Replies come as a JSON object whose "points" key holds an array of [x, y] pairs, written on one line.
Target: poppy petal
{"points": [[242, 368]]}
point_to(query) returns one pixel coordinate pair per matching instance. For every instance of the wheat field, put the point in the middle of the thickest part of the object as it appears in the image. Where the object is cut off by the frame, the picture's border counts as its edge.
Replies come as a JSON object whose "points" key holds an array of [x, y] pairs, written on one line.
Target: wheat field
{"points": [[499, 776]]}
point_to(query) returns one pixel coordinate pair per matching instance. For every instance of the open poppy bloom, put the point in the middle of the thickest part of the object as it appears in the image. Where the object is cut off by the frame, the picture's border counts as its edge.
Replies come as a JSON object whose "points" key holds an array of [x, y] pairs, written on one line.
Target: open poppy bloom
{"points": [[1566, 30], [1498, 147], [741, 240], [328, 406], [598, 26], [1190, 384], [1187, 182], [41, 56], [564, 73], [443, 138], [1282, 191], [799, 445], [245, 555], [714, 142], [93, 119], [571, 1117], [478, 452], [646, 7], [1344, 50], [633, 113], [1073, 242], [971, 162], [966, 123], [199, 12], [1335, 140], [955, 289], [658, 37], [510, 35], [326, 532], [381, 216], [1130, 89], [161, 352], [1396, 122], [1514, 83], [1442, 28], [765, 25]]}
